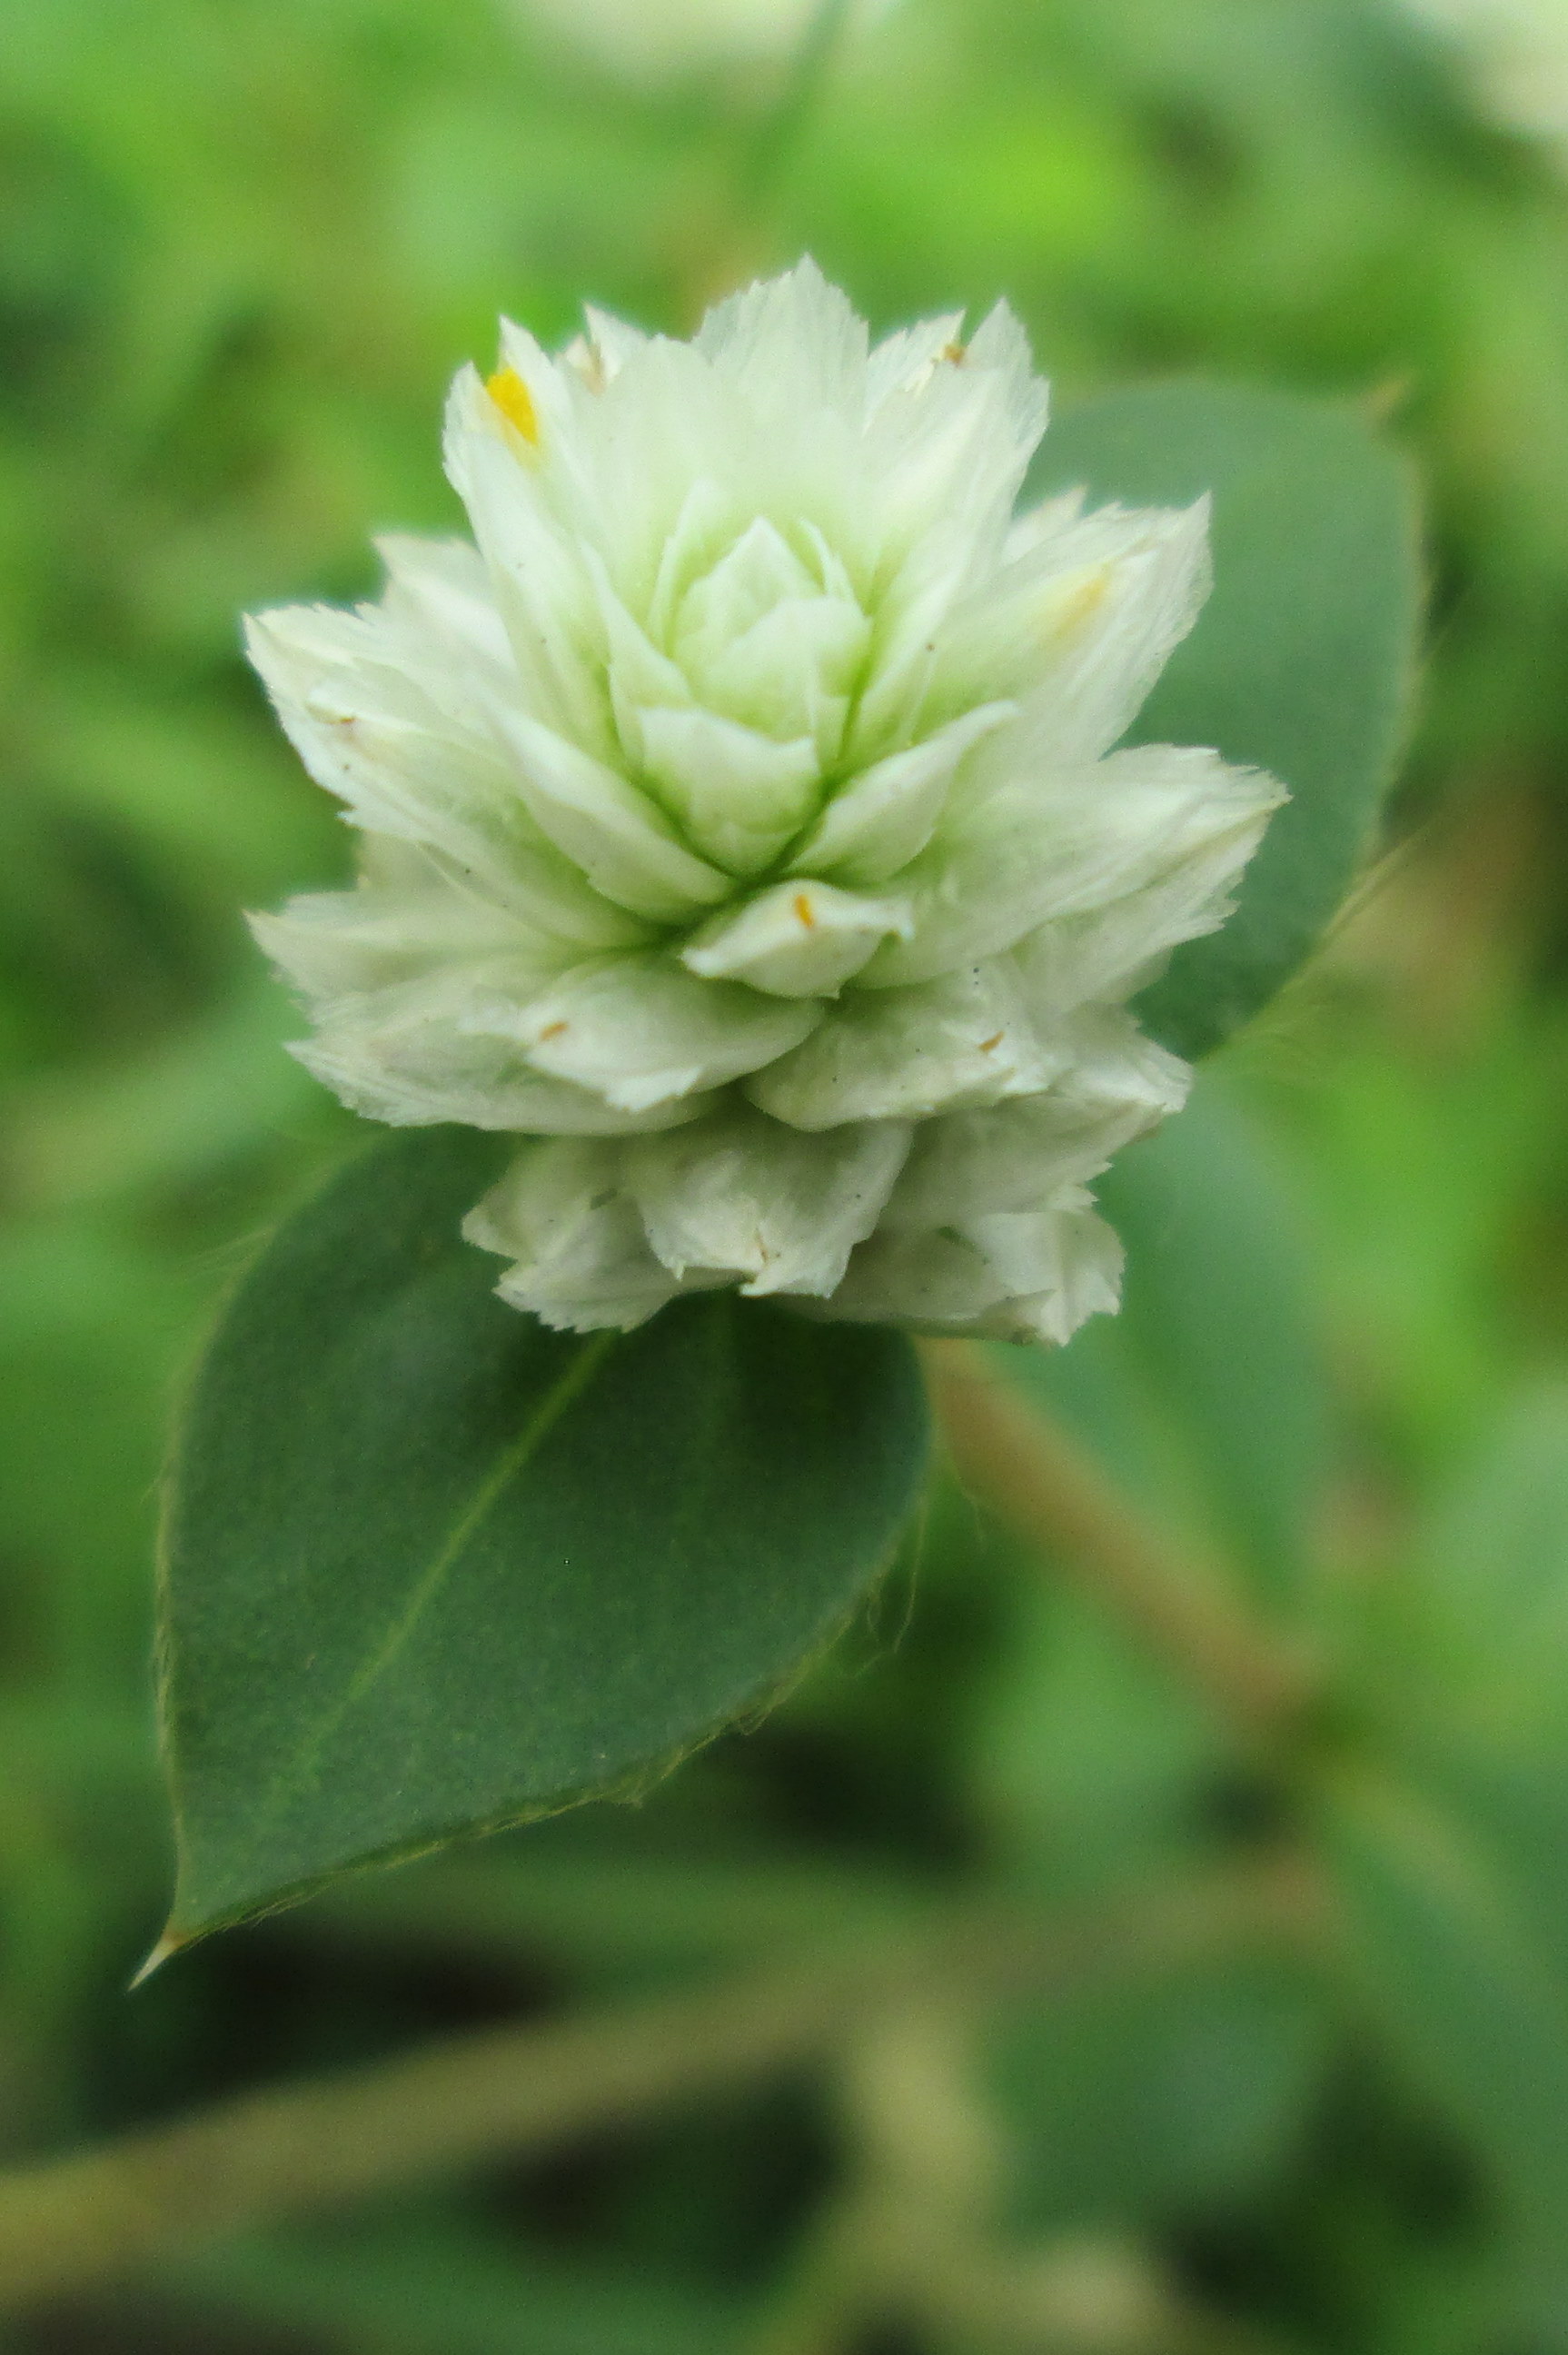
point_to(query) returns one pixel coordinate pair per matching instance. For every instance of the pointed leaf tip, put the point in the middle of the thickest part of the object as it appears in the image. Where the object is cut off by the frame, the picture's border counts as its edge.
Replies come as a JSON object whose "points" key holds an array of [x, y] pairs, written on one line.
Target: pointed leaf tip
{"points": [[433, 1568], [168, 1945]]}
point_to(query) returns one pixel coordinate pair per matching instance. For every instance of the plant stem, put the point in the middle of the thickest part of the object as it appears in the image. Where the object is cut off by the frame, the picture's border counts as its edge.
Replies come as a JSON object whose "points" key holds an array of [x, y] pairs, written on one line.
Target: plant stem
{"points": [[1042, 1484], [770, 150], [513, 2090]]}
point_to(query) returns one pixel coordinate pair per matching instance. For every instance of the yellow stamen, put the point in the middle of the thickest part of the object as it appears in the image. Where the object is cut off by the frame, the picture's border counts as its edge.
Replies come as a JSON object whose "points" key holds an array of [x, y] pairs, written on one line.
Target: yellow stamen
{"points": [[804, 911], [515, 401]]}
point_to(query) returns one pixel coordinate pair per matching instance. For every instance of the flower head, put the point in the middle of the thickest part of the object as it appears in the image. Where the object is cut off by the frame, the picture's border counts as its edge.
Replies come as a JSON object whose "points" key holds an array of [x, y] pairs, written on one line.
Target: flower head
{"points": [[741, 824]]}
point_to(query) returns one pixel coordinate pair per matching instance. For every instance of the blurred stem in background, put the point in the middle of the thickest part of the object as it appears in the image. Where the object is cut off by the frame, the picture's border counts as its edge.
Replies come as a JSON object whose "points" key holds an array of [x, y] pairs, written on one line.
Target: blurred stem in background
{"points": [[769, 151], [287, 2151], [716, 255], [1025, 1467], [904, 2231]]}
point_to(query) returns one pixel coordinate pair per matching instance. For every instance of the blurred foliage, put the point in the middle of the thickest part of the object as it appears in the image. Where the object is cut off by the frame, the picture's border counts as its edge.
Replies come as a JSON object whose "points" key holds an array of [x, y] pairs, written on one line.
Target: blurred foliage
{"points": [[241, 249]]}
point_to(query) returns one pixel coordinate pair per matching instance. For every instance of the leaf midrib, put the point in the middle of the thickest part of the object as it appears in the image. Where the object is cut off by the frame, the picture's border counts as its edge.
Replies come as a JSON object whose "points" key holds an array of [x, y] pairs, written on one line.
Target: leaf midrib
{"points": [[512, 1459]]}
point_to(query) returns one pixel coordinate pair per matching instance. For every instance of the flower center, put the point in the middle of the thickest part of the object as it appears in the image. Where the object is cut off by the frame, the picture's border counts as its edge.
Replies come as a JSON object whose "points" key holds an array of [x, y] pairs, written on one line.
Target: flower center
{"points": [[772, 640]]}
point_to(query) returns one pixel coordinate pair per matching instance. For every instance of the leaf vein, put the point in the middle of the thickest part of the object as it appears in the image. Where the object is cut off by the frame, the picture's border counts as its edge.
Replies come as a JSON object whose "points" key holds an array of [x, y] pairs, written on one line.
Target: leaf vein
{"points": [[512, 1460]]}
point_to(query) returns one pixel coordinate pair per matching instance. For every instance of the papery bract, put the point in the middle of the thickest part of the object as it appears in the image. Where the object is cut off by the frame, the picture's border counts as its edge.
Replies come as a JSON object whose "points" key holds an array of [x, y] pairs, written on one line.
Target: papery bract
{"points": [[743, 824]]}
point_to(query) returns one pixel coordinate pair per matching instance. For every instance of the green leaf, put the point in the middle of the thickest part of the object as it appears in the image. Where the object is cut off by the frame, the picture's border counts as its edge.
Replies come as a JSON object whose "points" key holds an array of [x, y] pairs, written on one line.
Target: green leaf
{"points": [[1218, 1309], [1462, 1647], [1168, 2098], [431, 1568], [1440, 1874], [1209, 1391], [1087, 1761], [1448, 1855], [414, 2285], [1489, 1580], [1301, 662]]}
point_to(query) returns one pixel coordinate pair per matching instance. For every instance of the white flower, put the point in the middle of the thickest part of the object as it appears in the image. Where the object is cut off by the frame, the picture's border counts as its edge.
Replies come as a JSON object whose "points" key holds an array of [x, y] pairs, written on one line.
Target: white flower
{"points": [[740, 823]]}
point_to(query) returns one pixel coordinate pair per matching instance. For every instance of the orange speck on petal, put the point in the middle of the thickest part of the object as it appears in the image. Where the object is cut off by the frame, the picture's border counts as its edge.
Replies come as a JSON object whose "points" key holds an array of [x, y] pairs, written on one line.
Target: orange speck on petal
{"points": [[515, 401], [552, 1031], [802, 909], [956, 352], [987, 1044]]}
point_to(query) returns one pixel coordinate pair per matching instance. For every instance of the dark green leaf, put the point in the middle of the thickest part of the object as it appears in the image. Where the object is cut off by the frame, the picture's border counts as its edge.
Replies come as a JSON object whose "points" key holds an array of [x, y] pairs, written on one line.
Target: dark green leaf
{"points": [[1301, 661], [1462, 1649], [1490, 1579], [1439, 1874], [431, 1568], [419, 2286], [1217, 1309], [1211, 1382], [1087, 1758], [1164, 2098]]}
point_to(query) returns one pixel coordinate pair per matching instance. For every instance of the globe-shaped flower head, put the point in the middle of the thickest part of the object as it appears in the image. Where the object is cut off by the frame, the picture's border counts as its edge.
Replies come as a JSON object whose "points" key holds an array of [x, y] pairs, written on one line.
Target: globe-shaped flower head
{"points": [[742, 827]]}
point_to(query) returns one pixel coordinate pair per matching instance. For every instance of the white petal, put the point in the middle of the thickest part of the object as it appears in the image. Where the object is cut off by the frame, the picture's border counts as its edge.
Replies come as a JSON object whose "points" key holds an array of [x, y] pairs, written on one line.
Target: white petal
{"points": [[1025, 854], [390, 863], [753, 575], [554, 390], [948, 485], [905, 1054], [907, 633], [902, 362], [797, 940], [640, 1031], [1028, 1277], [638, 673], [614, 340], [738, 1195], [335, 944], [410, 671], [952, 452], [1090, 617], [437, 1049], [938, 1282], [625, 847], [1115, 1072], [709, 521], [1082, 1262], [395, 777], [884, 817], [1000, 347], [1032, 530], [661, 426], [738, 796], [583, 1261], [1113, 951], [443, 586], [543, 594], [348, 691], [790, 343], [792, 672], [1034, 1252], [1016, 1156], [324, 665]]}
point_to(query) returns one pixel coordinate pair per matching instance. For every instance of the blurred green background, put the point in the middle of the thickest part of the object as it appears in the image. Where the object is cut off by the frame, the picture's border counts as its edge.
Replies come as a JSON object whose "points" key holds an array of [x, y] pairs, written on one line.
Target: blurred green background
{"points": [[242, 247]]}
